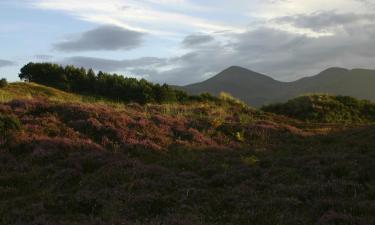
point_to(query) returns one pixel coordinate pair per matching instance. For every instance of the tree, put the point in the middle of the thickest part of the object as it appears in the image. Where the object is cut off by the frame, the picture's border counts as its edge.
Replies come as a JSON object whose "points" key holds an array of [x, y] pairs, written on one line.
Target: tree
{"points": [[3, 82]]}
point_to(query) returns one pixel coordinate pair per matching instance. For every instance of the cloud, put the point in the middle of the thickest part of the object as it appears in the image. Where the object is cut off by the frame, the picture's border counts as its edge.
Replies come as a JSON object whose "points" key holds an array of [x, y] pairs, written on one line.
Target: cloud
{"points": [[164, 17], [368, 3], [102, 38], [113, 65], [325, 19], [4, 63], [196, 40], [43, 57]]}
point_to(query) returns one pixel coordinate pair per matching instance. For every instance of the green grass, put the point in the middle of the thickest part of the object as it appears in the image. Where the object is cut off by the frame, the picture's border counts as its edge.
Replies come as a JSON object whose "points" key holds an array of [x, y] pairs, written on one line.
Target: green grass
{"points": [[24, 90], [32, 90]]}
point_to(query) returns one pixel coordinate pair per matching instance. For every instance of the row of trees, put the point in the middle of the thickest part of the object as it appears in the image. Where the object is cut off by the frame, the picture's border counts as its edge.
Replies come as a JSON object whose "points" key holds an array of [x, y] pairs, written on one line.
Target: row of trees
{"points": [[113, 86]]}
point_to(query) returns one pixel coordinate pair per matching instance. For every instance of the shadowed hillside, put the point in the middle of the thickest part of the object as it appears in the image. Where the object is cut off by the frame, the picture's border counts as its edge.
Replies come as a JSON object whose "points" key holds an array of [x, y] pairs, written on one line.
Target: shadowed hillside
{"points": [[257, 89], [65, 160]]}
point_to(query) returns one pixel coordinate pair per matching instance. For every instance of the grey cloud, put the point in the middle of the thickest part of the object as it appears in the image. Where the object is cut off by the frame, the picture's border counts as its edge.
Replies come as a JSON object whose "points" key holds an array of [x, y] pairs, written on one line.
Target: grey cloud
{"points": [[323, 20], [102, 38], [112, 65], [44, 57], [367, 3], [196, 40], [4, 63], [292, 55]]}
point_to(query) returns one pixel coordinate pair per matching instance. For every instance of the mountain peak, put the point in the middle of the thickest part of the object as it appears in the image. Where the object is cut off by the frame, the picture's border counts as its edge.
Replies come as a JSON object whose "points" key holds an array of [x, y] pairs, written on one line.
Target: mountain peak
{"points": [[239, 73], [335, 70], [239, 70], [236, 68]]}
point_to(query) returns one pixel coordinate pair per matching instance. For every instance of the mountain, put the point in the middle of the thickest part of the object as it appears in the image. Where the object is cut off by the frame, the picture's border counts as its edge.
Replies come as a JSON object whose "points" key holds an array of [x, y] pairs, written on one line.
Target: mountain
{"points": [[259, 89], [245, 84]]}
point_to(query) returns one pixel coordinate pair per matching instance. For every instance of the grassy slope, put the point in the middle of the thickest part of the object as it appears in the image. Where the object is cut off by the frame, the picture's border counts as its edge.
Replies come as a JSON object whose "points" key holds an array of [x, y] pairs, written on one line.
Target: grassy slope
{"points": [[22, 90], [30, 90], [74, 162], [326, 108]]}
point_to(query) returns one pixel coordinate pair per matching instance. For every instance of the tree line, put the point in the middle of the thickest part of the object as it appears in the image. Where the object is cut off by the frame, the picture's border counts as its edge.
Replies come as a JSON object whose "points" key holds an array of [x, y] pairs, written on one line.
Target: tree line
{"points": [[113, 86]]}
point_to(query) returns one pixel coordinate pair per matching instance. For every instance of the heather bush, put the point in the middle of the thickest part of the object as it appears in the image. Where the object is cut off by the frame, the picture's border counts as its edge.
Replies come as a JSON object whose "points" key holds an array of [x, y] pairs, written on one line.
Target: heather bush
{"points": [[94, 164], [8, 124]]}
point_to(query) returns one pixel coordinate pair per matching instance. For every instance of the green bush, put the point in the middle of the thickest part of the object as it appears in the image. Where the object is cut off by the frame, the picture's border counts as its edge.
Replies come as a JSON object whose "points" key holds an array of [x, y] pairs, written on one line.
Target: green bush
{"points": [[227, 97], [3, 83], [8, 124], [250, 160], [326, 109]]}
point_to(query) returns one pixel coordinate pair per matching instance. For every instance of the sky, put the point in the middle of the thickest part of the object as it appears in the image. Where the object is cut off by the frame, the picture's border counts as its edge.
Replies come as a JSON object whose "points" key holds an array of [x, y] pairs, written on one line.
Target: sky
{"points": [[187, 41]]}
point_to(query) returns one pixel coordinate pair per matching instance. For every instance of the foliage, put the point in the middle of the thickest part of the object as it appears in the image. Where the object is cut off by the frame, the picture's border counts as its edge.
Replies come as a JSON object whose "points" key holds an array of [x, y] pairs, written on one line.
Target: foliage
{"points": [[326, 109], [8, 124], [204, 97], [250, 160], [112, 86], [202, 163], [240, 136], [229, 98], [3, 83], [57, 172]]}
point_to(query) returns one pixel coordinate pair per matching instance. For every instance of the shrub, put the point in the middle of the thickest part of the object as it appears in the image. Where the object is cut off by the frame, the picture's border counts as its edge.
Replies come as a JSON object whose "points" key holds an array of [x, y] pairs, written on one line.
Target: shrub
{"points": [[204, 97], [7, 125], [240, 136], [3, 83], [250, 160], [326, 109], [229, 98], [217, 122]]}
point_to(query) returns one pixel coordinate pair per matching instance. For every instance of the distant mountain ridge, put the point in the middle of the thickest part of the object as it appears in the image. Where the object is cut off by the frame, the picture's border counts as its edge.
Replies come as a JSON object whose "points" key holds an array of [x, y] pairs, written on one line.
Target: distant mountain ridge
{"points": [[258, 89]]}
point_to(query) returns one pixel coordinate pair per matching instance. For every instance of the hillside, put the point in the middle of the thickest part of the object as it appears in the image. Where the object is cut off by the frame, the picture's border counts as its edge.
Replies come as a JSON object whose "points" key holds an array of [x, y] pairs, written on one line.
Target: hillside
{"points": [[65, 160], [257, 89], [326, 109], [32, 90]]}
